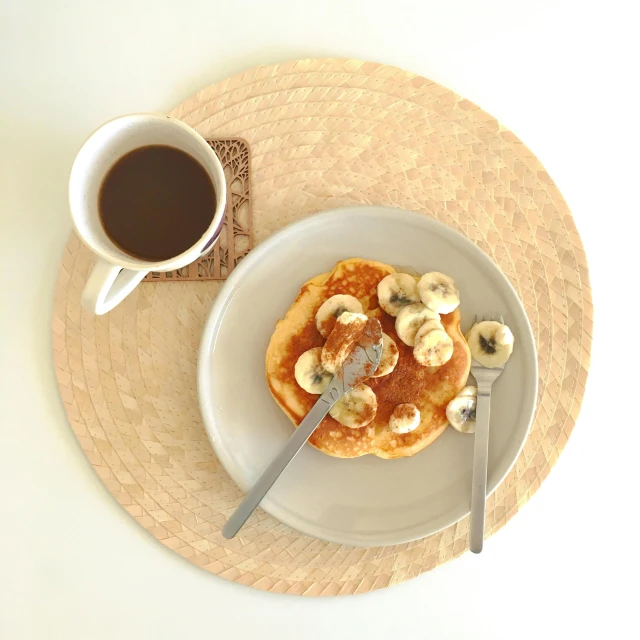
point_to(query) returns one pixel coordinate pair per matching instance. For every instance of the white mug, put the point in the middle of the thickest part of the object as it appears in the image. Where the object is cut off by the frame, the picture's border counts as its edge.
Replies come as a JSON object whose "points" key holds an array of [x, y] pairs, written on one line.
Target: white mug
{"points": [[116, 273]]}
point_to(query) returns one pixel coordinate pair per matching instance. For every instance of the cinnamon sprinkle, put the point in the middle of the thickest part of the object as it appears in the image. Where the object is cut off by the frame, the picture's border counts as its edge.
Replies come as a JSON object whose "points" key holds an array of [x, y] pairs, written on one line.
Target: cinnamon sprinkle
{"points": [[367, 414], [404, 410], [405, 384], [328, 325], [372, 332], [343, 338]]}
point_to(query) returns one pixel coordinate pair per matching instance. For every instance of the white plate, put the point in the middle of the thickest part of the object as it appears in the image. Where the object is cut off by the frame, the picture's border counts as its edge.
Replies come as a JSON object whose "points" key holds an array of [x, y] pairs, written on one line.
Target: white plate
{"points": [[364, 501]]}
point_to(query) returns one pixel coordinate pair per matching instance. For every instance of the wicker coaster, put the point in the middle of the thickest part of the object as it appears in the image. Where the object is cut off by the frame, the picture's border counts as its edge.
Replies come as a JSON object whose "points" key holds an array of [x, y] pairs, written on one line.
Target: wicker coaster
{"points": [[323, 134], [236, 238]]}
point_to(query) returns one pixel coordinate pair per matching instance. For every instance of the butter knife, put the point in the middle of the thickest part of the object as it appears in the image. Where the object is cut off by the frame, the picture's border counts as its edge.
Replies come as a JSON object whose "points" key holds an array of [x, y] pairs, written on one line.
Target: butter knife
{"points": [[360, 365]]}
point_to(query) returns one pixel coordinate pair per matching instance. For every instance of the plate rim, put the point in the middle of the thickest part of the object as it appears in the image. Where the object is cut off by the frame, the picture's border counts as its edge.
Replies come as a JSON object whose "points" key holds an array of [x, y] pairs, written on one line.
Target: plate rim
{"points": [[211, 328]]}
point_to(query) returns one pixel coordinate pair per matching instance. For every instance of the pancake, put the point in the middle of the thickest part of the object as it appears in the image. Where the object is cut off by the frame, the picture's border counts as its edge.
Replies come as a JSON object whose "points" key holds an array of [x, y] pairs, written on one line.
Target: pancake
{"points": [[430, 389]]}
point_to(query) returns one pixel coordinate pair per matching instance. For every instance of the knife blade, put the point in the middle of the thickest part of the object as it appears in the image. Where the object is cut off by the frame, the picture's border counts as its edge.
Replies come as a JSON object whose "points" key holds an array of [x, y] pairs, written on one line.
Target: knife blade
{"points": [[359, 365]]}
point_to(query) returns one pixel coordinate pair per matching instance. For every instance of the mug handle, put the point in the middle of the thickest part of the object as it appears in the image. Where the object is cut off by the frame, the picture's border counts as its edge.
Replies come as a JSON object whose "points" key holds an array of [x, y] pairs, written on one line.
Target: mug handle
{"points": [[108, 285]]}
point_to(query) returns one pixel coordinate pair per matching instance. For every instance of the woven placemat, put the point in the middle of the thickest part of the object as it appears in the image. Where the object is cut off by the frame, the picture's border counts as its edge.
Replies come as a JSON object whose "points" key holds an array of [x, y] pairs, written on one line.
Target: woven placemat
{"points": [[323, 134]]}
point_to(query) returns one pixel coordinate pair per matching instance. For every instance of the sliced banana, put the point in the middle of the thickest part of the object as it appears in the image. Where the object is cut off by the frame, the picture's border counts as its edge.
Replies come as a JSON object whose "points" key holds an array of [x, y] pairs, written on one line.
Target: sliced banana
{"points": [[504, 335], [490, 343], [410, 319], [332, 309], [438, 292], [461, 412], [433, 347], [397, 290], [357, 408], [389, 357], [404, 418], [342, 340], [432, 324], [469, 392], [309, 372]]}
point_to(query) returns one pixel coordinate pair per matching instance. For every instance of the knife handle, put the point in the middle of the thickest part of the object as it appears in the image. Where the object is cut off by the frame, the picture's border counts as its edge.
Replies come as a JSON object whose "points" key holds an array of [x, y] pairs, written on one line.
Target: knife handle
{"points": [[333, 393]]}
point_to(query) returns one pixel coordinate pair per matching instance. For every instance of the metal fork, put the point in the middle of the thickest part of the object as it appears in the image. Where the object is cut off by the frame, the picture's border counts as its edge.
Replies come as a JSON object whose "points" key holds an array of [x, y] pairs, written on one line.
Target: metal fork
{"points": [[484, 379]]}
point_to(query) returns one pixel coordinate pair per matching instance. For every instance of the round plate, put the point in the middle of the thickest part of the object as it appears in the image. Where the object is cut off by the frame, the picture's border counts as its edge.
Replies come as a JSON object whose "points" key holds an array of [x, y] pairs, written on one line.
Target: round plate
{"points": [[364, 501]]}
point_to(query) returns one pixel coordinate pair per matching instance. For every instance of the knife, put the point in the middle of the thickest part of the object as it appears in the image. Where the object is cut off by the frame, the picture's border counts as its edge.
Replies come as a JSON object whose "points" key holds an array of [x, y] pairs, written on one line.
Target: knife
{"points": [[361, 363]]}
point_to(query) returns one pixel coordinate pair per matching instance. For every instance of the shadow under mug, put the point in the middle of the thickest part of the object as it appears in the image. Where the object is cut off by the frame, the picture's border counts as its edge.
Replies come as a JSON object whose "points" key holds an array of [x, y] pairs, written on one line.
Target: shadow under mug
{"points": [[117, 273]]}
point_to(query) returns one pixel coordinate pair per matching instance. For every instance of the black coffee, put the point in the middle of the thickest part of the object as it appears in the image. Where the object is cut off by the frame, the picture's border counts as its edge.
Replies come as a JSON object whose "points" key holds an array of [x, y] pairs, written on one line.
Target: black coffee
{"points": [[156, 202]]}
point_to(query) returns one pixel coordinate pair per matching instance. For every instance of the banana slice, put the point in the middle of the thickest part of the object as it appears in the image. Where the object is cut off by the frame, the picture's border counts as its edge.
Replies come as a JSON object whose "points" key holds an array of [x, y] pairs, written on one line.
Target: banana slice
{"points": [[357, 408], [468, 392], [397, 290], [309, 372], [461, 412], [404, 418], [342, 339], [332, 309], [389, 358], [432, 324], [410, 319], [490, 343], [438, 292], [433, 347]]}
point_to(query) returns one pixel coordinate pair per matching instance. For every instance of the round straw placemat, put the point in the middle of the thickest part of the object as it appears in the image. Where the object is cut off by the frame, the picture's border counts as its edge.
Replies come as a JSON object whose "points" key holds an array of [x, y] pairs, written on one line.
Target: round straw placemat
{"points": [[323, 134]]}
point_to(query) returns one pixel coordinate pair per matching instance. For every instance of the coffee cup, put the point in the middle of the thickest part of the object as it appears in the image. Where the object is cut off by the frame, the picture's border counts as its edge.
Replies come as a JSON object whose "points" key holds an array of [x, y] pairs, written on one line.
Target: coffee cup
{"points": [[117, 272]]}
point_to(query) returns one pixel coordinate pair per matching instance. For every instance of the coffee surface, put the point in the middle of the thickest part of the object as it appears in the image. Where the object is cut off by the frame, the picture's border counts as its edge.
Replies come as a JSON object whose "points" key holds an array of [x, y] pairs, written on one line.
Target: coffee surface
{"points": [[156, 202]]}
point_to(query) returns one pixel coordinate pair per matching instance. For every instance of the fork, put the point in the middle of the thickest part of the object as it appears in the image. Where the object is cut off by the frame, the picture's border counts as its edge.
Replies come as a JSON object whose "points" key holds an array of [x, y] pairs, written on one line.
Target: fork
{"points": [[484, 380]]}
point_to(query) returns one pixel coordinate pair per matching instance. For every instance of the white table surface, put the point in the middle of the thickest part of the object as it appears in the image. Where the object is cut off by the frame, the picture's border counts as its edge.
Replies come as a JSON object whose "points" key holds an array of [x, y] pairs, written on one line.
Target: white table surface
{"points": [[560, 74]]}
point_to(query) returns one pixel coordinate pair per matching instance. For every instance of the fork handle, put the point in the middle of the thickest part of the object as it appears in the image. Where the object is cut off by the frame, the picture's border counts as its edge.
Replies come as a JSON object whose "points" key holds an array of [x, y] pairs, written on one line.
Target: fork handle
{"points": [[480, 460]]}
